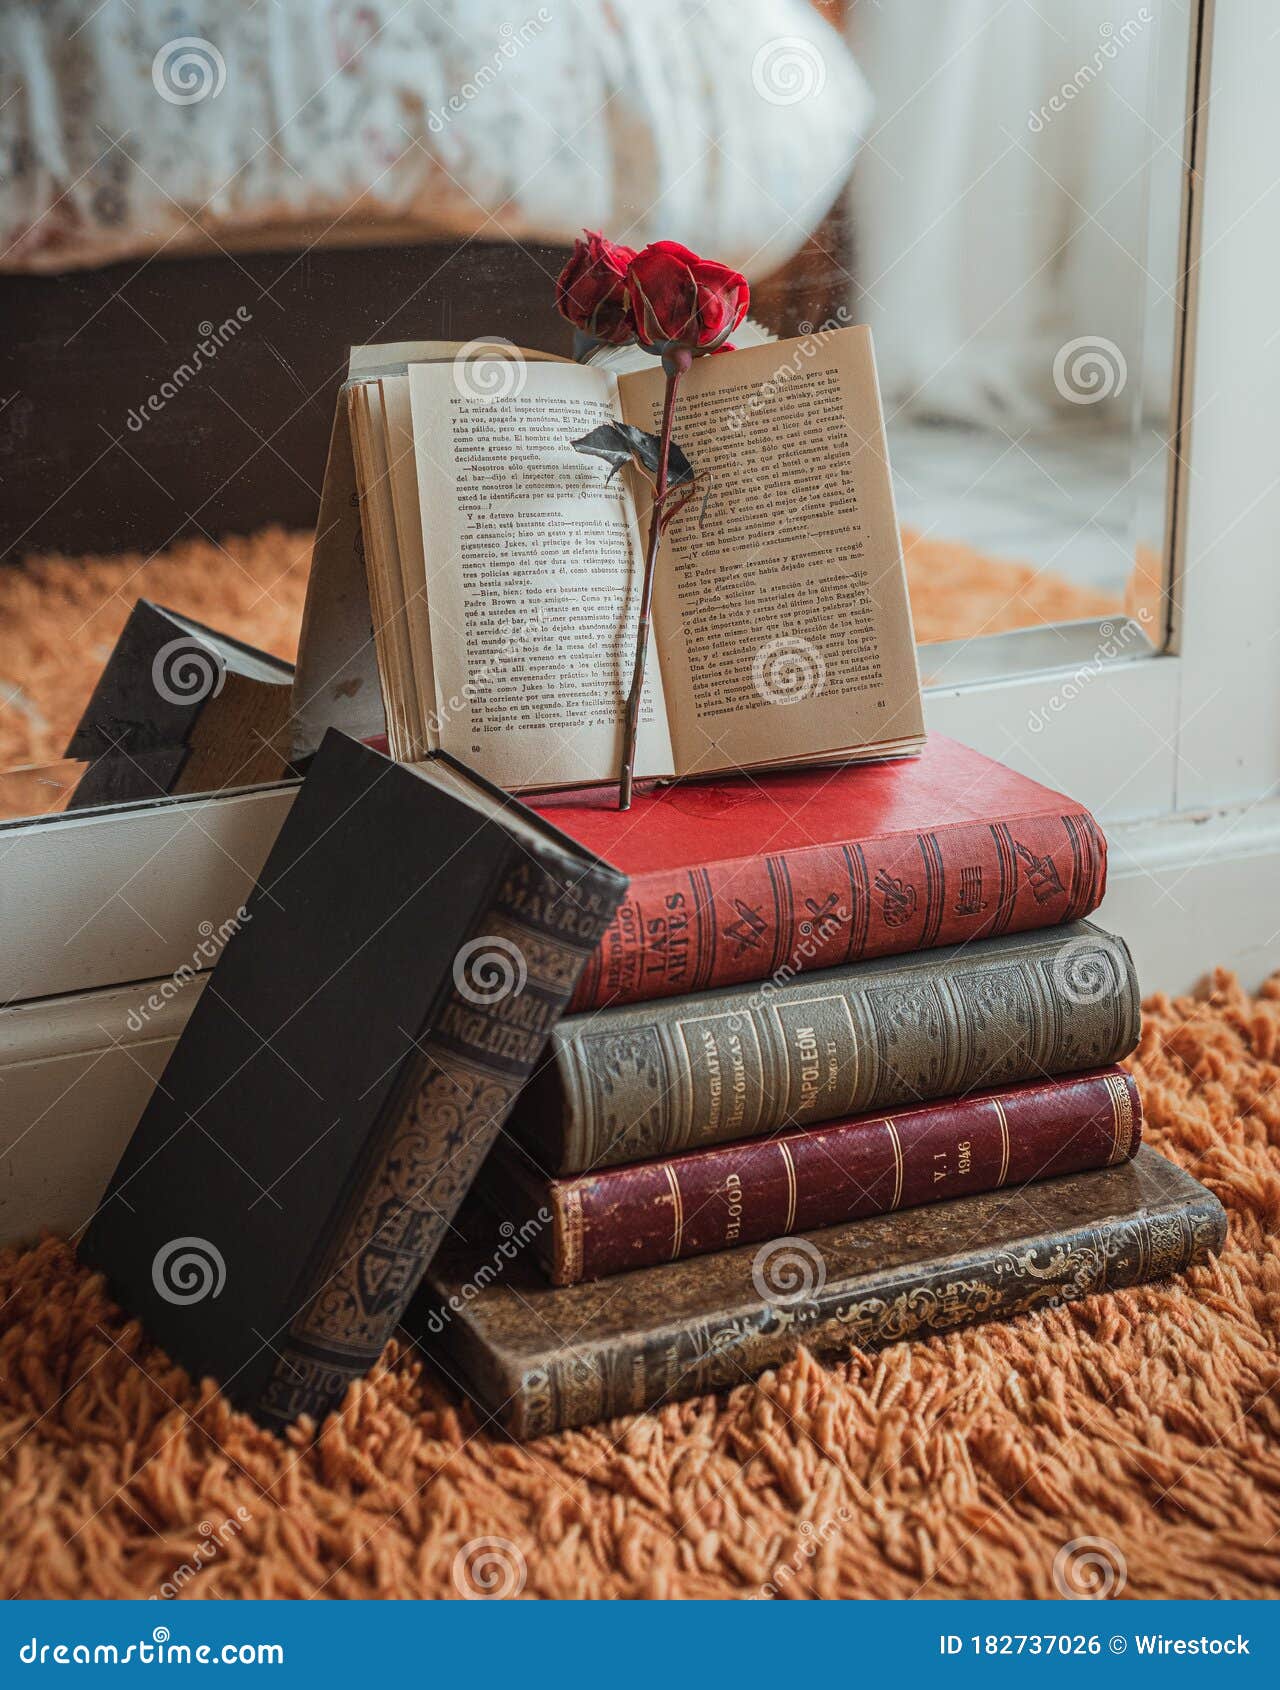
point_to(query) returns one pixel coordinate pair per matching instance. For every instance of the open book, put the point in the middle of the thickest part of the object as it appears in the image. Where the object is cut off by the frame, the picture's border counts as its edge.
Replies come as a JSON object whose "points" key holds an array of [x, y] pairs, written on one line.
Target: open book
{"points": [[504, 568]]}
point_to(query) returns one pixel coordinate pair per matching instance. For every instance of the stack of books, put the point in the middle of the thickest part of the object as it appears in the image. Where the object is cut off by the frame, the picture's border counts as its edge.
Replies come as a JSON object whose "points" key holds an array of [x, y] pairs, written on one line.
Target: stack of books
{"points": [[827, 1000], [813, 1045]]}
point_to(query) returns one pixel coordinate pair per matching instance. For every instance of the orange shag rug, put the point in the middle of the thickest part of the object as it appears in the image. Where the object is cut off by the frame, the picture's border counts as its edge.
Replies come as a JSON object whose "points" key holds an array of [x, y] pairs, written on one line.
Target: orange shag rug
{"points": [[1147, 1421], [60, 616]]}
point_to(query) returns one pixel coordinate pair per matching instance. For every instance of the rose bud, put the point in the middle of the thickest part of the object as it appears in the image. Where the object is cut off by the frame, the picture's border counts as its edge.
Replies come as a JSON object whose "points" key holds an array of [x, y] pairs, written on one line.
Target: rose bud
{"points": [[679, 301], [590, 290]]}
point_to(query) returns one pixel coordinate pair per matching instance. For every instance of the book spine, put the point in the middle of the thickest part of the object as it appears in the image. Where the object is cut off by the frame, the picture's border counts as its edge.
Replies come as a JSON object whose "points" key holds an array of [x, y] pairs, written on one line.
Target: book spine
{"points": [[591, 1382], [692, 929], [511, 980], [713, 1199], [657, 1079]]}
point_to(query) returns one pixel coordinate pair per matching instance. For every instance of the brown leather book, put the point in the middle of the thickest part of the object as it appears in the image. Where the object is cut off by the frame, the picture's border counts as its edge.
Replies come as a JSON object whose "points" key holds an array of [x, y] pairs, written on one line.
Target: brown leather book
{"points": [[539, 1358], [657, 1079], [649, 1212]]}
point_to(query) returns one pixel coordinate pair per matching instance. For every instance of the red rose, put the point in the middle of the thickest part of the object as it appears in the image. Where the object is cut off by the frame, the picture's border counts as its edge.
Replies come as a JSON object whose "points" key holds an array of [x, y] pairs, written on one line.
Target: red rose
{"points": [[590, 289], [680, 300]]}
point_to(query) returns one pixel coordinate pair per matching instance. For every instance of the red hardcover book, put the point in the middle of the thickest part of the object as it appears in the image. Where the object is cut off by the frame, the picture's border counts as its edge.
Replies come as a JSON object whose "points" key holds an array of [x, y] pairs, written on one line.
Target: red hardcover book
{"points": [[749, 878], [650, 1212]]}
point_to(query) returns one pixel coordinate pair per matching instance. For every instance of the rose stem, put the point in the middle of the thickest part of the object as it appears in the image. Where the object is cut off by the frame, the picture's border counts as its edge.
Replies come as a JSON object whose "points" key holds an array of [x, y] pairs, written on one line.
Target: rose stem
{"points": [[631, 718]]}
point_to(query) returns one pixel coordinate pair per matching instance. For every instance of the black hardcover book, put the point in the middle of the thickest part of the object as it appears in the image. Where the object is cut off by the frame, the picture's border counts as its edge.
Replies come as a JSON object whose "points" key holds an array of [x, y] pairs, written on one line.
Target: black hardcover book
{"points": [[180, 707], [414, 936]]}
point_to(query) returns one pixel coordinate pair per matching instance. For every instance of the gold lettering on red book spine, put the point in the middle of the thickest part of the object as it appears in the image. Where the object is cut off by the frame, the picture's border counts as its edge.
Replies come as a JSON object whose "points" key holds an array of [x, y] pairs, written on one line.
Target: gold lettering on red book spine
{"points": [[570, 1222], [677, 1211], [1122, 1117], [790, 1166], [1004, 1141], [899, 1168]]}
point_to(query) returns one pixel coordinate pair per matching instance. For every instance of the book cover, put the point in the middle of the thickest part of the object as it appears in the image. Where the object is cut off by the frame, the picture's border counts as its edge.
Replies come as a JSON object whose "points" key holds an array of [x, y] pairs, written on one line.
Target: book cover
{"points": [[656, 1079], [648, 1212], [734, 880], [542, 1358], [180, 707], [412, 938]]}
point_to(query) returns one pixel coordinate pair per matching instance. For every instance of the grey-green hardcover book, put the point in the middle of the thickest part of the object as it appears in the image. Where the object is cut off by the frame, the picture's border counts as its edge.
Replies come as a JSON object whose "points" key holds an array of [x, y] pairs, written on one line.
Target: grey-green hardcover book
{"points": [[654, 1079]]}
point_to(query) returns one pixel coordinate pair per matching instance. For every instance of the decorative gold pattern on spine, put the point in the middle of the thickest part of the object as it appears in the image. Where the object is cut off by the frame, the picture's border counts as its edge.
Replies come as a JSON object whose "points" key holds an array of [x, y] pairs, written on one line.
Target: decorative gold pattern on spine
{"points": [[1122, 1117], [898, 1168], [569, 1221], [639, 1081], [439, 1123], [1004, 1142], [677, 1211], [791, 1188]]}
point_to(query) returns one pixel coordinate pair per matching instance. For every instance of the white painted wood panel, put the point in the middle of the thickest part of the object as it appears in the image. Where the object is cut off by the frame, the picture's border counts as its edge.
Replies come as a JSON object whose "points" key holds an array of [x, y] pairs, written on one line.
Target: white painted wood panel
{"points": [[91, 900], [75, 1076]]}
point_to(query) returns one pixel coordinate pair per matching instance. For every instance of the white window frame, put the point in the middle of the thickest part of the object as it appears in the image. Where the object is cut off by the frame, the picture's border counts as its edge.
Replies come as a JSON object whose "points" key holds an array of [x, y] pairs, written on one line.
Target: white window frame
{"points": [[1195, 728]]}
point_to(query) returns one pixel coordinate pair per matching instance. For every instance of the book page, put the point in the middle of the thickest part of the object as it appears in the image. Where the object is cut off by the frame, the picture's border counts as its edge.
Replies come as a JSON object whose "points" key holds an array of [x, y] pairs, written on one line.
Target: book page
{"points": [[782, 619], [403, 475], [395, 355], [403, 471], [336, 680], [377, 519], [533, 571]]}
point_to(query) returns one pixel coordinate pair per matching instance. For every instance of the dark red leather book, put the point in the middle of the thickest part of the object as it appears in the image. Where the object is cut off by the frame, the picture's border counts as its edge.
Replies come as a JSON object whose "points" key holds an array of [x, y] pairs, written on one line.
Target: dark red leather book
{"points": [[747, 878], [650, 1212]]}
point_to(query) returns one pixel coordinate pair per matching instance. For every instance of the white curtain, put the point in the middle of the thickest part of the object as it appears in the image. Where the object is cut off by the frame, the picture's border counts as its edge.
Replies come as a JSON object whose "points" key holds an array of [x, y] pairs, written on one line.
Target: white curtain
{"points": [[1001, 199]]}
